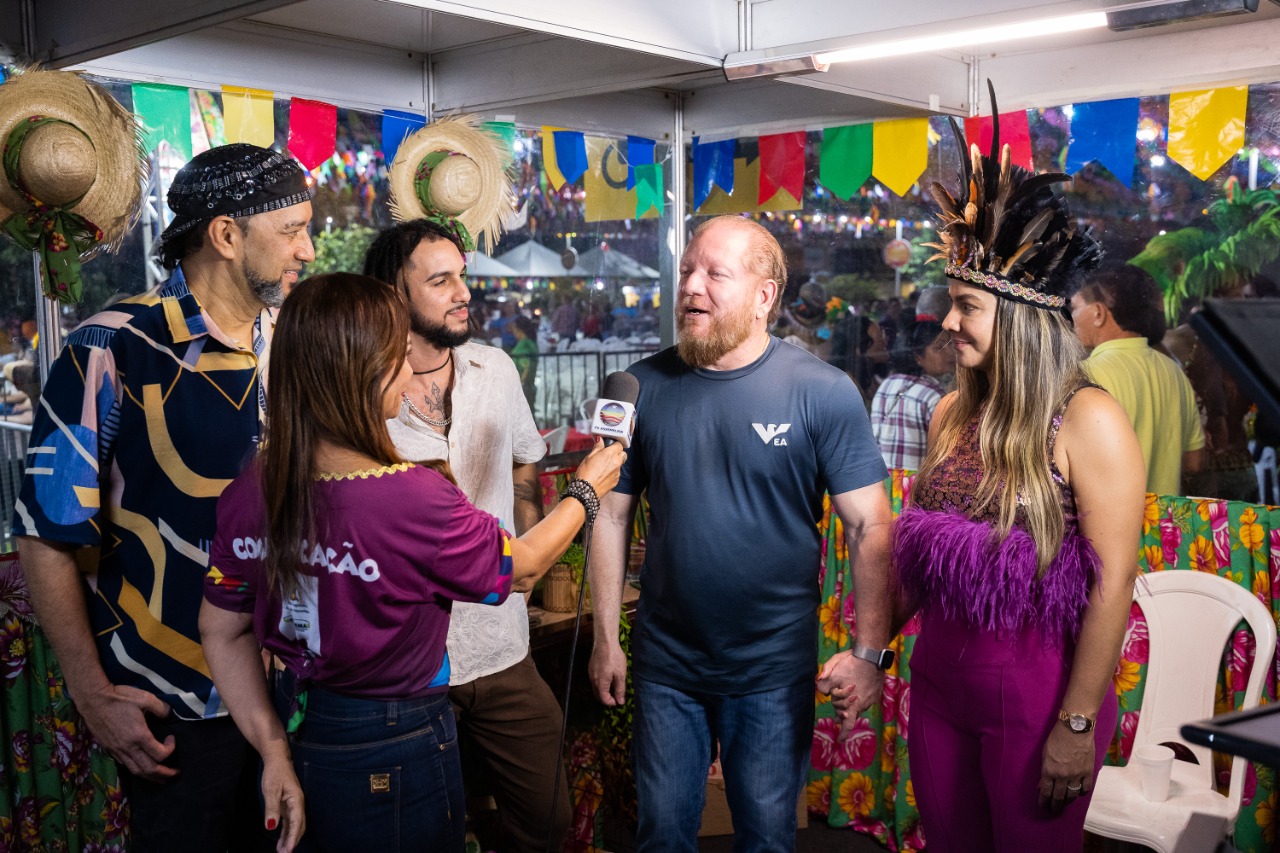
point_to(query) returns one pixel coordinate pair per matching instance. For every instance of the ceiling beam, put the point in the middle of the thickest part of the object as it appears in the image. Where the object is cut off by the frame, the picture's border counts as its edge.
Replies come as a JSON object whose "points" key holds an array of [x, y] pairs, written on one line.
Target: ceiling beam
{"points": [[74, 31], [288, 62], [536, 68], [1152, 64], [699, 31]]}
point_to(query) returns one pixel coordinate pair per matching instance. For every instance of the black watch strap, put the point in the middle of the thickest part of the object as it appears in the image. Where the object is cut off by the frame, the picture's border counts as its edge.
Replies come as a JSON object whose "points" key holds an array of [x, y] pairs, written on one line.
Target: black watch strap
{"points": [[882, 658]]}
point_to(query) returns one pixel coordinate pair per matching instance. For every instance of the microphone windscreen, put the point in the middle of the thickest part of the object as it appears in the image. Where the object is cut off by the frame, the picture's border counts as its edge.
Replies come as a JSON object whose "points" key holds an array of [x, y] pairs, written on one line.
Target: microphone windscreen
{"points": [[621, 386]]}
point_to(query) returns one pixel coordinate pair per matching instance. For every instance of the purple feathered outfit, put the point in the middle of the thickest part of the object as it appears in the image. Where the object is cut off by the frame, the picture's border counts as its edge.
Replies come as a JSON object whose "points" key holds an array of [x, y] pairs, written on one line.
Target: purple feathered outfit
{"points": [[991, 664]]}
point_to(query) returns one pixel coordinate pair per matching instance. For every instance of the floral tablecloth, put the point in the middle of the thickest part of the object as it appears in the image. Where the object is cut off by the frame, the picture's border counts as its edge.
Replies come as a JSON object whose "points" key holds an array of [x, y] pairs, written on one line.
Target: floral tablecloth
{"points": [[865, 783], [61, 793]]}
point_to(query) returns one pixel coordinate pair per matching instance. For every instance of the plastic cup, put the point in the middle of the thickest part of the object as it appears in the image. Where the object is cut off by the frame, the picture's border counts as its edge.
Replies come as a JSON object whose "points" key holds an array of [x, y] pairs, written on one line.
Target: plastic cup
{"points": [[1155, 765]]}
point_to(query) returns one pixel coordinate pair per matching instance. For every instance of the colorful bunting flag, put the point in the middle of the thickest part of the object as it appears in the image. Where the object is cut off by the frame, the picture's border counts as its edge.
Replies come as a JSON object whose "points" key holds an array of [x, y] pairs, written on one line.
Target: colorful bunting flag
{"points": [[605, 182], [781, 165], [648, 190], [639, 153], [900, 152], [313, 131], [1015, 132], [713, 165], [746, 173], [1206, 128], [571, 154], [505, 132], [248, 115], [1103, 131], [396, 127], [845, 162], [165, 114], [550, 167]]}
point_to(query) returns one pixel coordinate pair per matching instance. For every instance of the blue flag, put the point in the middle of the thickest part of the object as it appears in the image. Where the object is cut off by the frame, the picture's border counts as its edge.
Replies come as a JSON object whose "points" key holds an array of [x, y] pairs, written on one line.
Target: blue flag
{"points": [[1105, 131], [571, 154], [397, 125], [712, 166], [639, 153]]}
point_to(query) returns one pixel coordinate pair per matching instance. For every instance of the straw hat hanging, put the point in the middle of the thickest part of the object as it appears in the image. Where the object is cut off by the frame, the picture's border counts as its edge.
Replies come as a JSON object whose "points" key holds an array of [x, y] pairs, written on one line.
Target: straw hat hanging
{"points": [[74, 169], [451, 171]]}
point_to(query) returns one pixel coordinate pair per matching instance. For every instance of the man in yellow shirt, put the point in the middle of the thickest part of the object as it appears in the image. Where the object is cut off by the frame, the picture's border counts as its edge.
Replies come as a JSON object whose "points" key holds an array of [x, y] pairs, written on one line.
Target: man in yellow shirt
{"points": [[1117, 313]]}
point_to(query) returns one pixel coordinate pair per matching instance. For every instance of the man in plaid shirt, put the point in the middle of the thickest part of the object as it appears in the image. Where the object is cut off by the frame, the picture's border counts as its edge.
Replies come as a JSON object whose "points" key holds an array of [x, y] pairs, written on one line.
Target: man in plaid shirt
{"points": [[905, 402]]}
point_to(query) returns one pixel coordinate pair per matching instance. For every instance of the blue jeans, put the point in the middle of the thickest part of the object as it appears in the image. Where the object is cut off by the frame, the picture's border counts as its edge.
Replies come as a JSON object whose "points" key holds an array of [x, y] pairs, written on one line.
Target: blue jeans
{"points": [[379, 775], [764, 741]]}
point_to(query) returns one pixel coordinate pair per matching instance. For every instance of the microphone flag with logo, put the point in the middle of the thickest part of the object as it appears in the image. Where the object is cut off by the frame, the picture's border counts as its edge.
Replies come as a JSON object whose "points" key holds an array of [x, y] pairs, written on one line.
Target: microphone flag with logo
{"points": [[615, 415]]}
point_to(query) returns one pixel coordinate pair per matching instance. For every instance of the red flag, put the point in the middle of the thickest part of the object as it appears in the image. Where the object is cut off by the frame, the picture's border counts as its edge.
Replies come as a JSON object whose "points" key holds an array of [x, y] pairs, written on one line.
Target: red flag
{"points": [[782, 165], [1014, 132], [313, 131]]}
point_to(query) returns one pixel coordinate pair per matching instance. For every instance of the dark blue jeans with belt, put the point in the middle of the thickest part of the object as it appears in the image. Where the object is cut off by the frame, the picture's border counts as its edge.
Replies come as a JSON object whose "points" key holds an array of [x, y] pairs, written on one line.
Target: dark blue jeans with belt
{"points": [[378, 774]]}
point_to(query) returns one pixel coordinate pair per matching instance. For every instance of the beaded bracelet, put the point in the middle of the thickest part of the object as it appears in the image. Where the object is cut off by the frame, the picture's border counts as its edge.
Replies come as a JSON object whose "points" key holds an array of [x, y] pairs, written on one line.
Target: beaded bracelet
{"points": [[586, 495]]}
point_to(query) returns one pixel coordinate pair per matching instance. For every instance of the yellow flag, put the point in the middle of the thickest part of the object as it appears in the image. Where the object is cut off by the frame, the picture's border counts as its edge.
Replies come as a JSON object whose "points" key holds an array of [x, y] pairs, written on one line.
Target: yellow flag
{"points": [[248, 115], [549, 163], [605, 183], [900, 152], [746, 183], [1206, 128]]}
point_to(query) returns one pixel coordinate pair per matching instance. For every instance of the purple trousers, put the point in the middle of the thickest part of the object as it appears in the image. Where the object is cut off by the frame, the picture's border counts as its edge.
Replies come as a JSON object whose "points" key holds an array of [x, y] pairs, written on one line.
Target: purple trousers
{"points": [[982, 705]]}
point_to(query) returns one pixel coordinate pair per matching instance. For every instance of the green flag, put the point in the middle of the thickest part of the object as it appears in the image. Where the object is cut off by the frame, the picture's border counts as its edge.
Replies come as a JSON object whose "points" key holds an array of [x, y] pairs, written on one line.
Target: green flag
{"points": [[505, 131], [845, 163], [648, 188], [165, 113]]}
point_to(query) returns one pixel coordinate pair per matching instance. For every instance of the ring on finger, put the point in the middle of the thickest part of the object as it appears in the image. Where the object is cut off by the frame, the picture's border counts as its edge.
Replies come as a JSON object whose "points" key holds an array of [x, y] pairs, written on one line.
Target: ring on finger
{"points": [[1074, 789]]}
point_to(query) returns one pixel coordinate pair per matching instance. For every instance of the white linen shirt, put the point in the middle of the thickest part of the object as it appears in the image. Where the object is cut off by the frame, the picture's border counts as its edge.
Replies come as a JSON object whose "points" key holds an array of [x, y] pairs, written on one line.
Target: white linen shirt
{"points": [[492, 430]]}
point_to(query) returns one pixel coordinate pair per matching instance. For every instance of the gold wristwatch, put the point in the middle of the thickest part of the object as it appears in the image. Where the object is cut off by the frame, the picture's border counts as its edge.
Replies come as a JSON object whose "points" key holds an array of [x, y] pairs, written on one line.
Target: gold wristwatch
{"points": [[1078, 723]]}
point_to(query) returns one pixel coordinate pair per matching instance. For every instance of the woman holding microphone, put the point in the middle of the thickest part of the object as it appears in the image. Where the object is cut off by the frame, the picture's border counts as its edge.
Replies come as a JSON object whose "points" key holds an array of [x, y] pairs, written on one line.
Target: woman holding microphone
{"points": [[342, 559]]}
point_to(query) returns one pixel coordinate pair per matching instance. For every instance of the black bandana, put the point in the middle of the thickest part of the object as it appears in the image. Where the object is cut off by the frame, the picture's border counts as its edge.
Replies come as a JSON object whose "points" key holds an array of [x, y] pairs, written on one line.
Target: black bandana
{"points": [[233, 180]]}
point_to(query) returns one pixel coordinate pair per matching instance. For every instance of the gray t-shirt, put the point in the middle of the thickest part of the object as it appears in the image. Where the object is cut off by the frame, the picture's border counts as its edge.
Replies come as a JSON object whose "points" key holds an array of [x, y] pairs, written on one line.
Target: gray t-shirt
{"points": [[736, 463]]}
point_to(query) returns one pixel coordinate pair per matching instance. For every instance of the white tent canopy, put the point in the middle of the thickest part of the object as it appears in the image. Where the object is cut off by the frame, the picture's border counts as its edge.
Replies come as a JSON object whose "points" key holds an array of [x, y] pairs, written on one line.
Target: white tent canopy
{"points": [[531, 259], [480, 265], [604, 262]]}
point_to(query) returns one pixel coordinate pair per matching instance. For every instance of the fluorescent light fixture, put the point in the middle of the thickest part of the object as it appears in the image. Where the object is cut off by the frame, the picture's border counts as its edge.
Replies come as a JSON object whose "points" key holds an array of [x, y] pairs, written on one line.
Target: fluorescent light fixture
{"points": [[966, 38], [775, 67]]}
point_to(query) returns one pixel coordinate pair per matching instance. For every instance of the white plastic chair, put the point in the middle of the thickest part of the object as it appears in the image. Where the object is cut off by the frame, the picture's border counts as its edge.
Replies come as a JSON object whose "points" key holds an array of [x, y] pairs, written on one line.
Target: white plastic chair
{"points": [[1190, 616], [555, 439]]}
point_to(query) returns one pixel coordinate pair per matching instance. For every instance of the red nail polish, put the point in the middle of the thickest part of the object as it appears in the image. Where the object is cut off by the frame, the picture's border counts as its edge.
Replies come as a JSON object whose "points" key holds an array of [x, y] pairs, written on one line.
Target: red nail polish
{"points": [[271, 823]]}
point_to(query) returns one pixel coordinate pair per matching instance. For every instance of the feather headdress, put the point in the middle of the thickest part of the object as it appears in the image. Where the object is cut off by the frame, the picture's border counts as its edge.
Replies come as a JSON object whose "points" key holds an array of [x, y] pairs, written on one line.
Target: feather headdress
{"points": [[1006, 229]]}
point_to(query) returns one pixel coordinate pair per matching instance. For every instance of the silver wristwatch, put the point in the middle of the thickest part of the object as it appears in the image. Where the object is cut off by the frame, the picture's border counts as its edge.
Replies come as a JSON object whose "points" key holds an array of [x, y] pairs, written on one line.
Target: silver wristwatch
{"points": [[882, 658]]}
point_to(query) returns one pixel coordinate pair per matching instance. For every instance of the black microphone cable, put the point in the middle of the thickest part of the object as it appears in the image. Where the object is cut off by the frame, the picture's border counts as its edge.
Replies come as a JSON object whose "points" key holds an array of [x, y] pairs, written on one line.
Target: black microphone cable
{"points": [[568, 686]]}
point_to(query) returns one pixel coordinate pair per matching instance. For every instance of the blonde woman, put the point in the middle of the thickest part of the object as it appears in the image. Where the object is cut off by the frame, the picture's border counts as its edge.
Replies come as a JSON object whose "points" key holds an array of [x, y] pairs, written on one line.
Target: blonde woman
{"points": [[1020, 543]]}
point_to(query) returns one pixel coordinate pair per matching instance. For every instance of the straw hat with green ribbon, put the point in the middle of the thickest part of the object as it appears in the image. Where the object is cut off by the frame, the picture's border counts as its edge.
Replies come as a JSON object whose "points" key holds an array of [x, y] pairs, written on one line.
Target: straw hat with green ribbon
{"points": [[453, 173], [73, 173]]}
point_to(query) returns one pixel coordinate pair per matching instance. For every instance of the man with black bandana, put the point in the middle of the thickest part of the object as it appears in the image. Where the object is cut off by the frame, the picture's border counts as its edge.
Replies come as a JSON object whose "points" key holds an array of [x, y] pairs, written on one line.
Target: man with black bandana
{"points": [[151, 409]]}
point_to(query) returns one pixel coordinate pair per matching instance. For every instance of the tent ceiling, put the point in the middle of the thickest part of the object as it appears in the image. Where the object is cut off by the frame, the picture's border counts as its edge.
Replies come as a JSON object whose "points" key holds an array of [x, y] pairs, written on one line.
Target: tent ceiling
{"points": [[607, 65]]}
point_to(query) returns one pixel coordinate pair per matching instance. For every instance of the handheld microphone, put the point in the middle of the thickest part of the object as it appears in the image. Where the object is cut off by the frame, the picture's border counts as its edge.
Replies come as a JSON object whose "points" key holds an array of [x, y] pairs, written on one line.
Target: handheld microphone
{"points": [[615, 415]]}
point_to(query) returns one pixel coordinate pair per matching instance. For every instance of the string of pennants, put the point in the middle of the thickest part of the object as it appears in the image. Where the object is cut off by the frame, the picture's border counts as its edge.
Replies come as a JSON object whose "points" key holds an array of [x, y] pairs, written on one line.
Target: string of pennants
{"points": [[189, 121], [1205, 129], [622, 179]]}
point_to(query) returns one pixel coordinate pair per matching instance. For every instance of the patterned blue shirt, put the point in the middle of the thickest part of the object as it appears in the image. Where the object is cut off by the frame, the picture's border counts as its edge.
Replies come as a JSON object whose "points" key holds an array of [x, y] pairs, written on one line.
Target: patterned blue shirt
{"points": [[148, 414]]}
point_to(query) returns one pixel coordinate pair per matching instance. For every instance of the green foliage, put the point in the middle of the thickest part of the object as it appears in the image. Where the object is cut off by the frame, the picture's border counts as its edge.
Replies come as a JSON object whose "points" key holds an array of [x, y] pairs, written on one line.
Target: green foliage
{"points": [[341, 249], [856, 290], [921, 273], [1192, 263], [573, 556], [615, 743]]}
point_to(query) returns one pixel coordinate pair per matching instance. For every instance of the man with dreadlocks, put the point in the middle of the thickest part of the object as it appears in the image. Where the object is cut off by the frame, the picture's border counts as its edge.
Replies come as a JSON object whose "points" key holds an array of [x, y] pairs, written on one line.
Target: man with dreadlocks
{"points": [[1019, 546]]}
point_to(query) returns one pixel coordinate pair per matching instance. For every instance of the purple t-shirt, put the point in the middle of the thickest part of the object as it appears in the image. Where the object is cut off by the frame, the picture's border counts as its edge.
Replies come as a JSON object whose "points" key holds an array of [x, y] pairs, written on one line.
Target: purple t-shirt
{"points": [[395, 548]]}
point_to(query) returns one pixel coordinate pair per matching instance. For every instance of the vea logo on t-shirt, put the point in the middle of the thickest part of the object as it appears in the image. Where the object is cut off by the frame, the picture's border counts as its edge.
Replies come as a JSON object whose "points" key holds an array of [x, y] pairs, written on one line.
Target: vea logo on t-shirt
{"points": [[248, 548], [772, 433]]}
